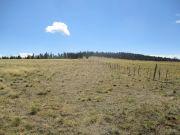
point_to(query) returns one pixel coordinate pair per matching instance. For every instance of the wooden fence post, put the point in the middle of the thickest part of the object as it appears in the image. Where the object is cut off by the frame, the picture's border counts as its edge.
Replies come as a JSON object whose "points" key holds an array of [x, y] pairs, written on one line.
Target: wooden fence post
{"points": [[167, 74], [159, 73], [155, 69]]}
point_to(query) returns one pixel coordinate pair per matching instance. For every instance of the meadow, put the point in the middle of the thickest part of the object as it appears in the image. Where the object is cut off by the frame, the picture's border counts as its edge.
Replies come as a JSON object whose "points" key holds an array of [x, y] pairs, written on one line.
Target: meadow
{"points": [[95, 96]]}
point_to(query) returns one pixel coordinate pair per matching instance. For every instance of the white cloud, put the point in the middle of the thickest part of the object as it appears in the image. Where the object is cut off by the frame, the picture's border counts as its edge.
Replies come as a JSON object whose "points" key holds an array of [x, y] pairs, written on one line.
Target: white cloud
{"points": [[178, 21], [168, 56], [24, 55], [58, 27]]}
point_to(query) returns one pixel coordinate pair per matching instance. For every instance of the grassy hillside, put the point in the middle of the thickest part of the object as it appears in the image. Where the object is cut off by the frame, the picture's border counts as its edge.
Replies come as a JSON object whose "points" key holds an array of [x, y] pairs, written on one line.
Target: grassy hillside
{"points": [[95, 96]]}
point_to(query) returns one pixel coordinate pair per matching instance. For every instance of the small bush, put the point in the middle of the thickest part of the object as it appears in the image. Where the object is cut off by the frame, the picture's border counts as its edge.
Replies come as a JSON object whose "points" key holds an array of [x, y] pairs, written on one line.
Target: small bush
{"points": [[28, 85], [16, 122], [34, 110], [1, 87]]}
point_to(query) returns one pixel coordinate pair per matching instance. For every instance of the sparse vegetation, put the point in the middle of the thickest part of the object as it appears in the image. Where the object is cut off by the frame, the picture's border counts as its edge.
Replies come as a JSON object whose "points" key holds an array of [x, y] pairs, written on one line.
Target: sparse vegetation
{"points": [[16, 122], [34, 109], [99, 96]]}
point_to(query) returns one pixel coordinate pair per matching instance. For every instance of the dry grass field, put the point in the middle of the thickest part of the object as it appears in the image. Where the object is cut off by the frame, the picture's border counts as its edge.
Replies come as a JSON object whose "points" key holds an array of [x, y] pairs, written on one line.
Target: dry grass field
{"points": [[94, 96]]}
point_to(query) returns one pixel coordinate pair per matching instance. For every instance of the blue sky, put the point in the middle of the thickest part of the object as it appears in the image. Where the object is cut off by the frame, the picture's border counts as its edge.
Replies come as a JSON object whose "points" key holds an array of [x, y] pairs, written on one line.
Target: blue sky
{"points": [[137, 26]]}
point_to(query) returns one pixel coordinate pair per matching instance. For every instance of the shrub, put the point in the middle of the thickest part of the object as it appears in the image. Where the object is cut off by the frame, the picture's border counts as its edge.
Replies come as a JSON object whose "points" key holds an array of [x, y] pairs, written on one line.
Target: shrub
{"points": [[34, 110], [16, 122]]}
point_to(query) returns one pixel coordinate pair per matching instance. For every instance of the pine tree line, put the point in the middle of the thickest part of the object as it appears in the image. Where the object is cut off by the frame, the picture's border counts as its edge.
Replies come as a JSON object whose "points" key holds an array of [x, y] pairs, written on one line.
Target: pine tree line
{"points": [[79, 55]]}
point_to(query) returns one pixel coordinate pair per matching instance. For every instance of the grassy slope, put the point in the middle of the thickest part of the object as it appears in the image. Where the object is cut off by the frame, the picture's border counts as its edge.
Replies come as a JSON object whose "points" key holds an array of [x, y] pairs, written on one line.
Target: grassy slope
{"points": [[95, 96]]}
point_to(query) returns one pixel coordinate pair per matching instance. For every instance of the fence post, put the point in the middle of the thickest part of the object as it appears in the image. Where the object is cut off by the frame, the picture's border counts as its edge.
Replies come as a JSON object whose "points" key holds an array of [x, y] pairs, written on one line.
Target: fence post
{"points": [[134, 69], [139, 70], [159, 73], [155, 69], [167, 74]]}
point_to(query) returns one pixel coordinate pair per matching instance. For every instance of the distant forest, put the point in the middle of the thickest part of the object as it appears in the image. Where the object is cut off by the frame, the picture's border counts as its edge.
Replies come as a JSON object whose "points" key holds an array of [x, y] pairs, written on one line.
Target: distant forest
{"points": [[79, 55]]}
